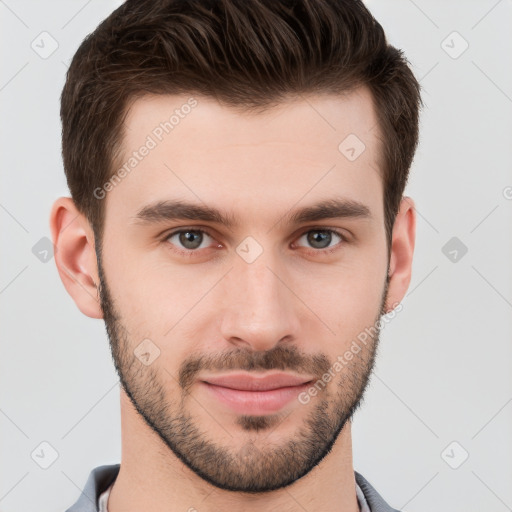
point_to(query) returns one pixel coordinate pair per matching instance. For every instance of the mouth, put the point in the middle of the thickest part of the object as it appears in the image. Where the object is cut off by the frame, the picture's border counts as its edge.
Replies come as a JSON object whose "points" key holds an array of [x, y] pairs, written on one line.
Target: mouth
{"points": [[249, 394]]}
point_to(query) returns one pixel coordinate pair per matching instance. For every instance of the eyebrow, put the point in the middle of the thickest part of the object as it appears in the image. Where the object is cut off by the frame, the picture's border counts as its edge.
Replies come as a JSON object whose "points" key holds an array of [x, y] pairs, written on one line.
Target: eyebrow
{"points": [[172, 210]]}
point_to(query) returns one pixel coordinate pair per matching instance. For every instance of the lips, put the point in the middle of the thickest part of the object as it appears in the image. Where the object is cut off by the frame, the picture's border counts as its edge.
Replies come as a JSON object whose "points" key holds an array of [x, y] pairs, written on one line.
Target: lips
{"points": [[244, 382], [255, 394]]}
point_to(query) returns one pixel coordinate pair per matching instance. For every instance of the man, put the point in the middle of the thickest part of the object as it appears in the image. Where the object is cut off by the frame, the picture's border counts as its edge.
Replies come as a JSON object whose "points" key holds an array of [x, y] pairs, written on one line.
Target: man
{"points": [[237, 218]]}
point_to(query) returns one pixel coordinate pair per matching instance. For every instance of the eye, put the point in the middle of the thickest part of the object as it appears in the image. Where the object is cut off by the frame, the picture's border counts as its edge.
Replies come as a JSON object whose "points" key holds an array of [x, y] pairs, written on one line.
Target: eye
{"points": [[321, 239], [187, 240]]}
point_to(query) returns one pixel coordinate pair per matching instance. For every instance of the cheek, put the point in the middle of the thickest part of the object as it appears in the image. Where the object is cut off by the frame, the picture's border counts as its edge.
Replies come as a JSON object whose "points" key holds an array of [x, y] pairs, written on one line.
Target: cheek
{"points": [[352, 302], [147, 296], [163, 302]]}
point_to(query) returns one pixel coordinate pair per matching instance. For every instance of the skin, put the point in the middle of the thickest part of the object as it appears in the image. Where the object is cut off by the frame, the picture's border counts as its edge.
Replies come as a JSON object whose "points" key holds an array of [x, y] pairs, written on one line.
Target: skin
{"points": [[295, 306]]}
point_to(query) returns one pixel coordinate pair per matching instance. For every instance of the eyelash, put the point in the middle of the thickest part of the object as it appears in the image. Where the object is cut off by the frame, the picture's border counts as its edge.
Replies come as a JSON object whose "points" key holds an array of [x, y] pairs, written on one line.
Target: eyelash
{"points": [[193, 252]]}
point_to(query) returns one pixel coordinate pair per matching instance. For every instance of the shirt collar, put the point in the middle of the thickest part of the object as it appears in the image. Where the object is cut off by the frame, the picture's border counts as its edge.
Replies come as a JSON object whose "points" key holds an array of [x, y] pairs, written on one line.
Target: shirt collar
{"points": [[102, 477]]}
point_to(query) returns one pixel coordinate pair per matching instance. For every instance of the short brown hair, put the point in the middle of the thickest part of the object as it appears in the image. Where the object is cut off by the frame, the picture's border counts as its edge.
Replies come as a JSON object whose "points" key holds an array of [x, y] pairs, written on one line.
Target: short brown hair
{"points": [[248, 54]]}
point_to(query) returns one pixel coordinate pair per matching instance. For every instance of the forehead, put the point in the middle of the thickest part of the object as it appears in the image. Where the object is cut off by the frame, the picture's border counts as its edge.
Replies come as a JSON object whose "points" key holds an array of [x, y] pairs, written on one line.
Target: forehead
{"points": [[307, 118], [306, 148]]}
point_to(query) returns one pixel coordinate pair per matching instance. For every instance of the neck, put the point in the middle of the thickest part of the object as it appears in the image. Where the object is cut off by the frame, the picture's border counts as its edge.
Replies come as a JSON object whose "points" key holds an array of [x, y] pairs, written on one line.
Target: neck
{"points": [[152, 478]]}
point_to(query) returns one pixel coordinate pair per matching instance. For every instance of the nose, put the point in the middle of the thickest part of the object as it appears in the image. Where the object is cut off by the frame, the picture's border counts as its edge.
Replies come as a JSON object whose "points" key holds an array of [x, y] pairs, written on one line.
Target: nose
{"points": [[260, 308]]}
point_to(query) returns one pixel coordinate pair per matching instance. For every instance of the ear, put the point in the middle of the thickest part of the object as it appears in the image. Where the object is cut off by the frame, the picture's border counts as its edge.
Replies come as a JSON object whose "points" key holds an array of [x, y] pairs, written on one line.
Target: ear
{"points": [[402, 249], [75, 256]]}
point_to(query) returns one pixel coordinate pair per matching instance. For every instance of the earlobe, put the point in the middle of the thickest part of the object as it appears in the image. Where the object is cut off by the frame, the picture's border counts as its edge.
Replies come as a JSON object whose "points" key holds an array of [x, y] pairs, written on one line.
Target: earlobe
{"points": [[402, 249], [75, 256]]}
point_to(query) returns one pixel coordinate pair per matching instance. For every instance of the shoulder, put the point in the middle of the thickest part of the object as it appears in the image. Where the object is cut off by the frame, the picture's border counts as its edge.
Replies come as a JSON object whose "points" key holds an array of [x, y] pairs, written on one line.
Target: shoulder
{"points": [[100, 478], [375, 501]]}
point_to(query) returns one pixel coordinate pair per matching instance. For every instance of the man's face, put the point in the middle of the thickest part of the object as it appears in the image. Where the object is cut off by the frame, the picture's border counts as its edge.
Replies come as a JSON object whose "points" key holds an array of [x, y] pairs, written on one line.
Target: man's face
{"points": [[187, 301]]}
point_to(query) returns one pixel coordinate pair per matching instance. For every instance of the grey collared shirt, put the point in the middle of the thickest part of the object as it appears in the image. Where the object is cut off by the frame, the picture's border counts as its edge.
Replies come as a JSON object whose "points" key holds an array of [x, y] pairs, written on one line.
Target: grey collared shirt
{"points": [[101, 479]]}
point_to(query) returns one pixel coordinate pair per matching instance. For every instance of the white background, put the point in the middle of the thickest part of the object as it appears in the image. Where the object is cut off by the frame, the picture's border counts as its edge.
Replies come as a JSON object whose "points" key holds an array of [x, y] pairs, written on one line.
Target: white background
{"points": [[444, 369]]}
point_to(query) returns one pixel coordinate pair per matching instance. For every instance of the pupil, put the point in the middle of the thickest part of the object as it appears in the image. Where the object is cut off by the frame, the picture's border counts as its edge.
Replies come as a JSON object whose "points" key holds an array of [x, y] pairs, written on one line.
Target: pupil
{"points": [[319, 236], [187, 239]]}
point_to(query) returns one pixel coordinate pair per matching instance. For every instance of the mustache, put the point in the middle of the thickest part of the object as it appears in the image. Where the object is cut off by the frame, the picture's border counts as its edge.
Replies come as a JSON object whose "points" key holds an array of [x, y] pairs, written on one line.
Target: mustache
{"points": [[278, 358]]}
